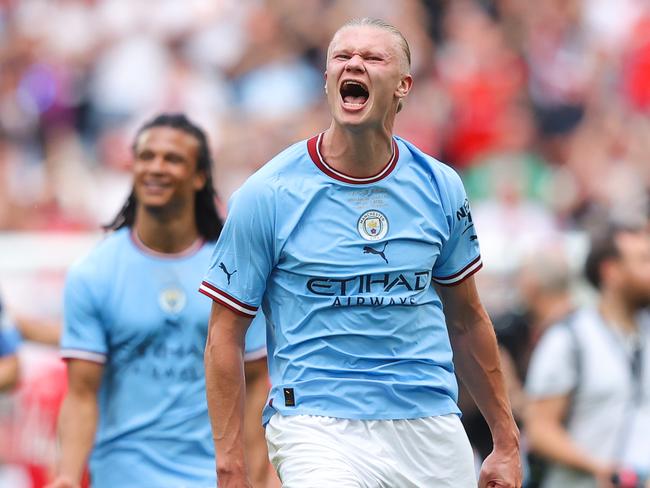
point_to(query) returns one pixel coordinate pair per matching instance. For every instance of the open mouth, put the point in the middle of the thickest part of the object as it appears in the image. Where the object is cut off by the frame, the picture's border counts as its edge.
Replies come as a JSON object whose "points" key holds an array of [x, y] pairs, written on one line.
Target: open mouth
{"points": [[354, 93]]}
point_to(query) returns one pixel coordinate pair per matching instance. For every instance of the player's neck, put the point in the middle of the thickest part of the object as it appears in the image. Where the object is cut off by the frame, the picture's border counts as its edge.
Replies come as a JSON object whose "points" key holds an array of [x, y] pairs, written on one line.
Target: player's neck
{"points": [[617, 313], [359, 154], [170, 234]]}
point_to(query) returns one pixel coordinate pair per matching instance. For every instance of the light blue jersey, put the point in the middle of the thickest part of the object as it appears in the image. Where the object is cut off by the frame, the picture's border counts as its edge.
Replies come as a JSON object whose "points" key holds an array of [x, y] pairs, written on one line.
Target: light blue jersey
{"points": [[342, 268], [9, 335], [137, 312]]}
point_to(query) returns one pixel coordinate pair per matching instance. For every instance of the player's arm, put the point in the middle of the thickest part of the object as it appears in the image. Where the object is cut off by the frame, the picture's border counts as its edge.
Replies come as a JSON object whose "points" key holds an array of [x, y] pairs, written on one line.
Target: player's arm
{"points": [[257, 390], [9, 362], [476, 358], [9, 372], [548, 437], [44, 331], [77, 421], [226, 393]]}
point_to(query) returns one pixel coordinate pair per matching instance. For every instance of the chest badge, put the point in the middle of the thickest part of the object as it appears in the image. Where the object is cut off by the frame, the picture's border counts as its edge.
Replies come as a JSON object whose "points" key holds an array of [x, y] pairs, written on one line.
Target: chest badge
{"points": [[172, 300], [372, 225]]}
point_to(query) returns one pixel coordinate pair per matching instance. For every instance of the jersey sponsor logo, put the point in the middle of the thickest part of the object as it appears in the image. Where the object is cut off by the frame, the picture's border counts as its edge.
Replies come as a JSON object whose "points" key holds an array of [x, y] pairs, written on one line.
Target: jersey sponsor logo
{"points": [[464, 213], [372, 225], [225, 270], [370, 250], [376, 288], [369, 283], [172, 350], [372, 301], [172, 300]]}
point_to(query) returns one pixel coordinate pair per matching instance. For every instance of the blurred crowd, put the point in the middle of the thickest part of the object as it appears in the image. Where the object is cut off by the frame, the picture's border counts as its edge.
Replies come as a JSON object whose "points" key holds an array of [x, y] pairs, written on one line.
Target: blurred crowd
{"points": [[543, 107]]}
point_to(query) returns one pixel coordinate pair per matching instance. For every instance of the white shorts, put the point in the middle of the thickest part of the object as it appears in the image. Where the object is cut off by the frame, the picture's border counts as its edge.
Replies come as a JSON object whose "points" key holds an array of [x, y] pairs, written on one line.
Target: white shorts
{"points": [[324, 452]]}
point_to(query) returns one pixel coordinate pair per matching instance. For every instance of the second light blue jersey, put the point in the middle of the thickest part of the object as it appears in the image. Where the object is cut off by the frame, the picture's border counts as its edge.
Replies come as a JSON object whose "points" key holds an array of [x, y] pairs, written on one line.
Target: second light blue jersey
{"points": [[343, 268], [9, 335], [138, 314]]}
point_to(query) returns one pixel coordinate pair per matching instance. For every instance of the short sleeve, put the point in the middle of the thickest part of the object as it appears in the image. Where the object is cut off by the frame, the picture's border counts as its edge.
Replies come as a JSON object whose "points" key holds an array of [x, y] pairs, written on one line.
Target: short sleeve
{"points": [[460, 255], [84, 336], [9, 341], [9, 335], [552, 368], [244, 254]]}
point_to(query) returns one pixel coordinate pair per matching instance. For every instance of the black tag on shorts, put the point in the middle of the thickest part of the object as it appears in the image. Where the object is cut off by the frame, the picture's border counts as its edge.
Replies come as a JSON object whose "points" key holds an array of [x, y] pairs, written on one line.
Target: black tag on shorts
{"points": [[289, 398]]}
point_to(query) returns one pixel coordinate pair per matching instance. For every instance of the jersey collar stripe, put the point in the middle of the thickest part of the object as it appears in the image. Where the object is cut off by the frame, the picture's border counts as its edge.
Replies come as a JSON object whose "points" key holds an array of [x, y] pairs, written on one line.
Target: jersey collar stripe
{"points": [[191, 250], [313, 147], [464, 273], [95, 357], [227, 300]]}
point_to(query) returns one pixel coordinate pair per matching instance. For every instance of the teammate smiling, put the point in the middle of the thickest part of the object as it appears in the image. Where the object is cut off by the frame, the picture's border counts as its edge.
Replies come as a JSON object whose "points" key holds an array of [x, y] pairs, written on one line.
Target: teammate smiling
{"points": [[351, 242], [134, 330]]}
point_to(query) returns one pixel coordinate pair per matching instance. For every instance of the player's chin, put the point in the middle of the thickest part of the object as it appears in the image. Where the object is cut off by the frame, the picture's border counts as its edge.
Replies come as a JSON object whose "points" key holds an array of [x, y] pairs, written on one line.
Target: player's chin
{"points": [[156, 201], [353, 116]]}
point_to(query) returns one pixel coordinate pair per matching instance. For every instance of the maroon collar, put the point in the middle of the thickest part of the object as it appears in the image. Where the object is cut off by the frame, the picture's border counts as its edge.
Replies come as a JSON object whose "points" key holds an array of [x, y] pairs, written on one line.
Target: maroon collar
{"points": [[313, 147], [189, 251]]}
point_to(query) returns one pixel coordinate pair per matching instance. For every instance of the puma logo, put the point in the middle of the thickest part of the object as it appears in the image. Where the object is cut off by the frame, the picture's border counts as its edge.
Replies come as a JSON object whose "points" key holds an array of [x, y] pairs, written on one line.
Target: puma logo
{"points": [[370, 250], [225, 270]]}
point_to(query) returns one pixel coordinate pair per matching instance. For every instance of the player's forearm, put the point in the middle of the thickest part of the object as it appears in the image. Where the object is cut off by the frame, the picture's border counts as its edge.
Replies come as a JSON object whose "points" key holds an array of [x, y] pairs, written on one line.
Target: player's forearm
{"points": [[226, 390], [45, 331], [77, 425], [257, 389], [477, 363], [9, 371]]}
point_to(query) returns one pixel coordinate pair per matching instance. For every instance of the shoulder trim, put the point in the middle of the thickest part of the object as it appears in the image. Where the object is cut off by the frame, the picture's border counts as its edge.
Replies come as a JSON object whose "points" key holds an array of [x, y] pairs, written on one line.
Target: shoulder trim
{"points": [[95, 357], [256, 354], [461, 275], [227, 300], [313, 147]]}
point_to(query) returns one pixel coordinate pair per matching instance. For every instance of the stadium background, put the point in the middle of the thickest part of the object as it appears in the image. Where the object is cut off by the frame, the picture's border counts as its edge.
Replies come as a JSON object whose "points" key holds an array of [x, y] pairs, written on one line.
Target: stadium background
{"points": [[541, 106]]}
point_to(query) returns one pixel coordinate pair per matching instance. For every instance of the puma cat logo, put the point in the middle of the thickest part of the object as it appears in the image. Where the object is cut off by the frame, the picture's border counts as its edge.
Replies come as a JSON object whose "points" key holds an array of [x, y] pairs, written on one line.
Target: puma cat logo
{"points": [[225, 270], [370, 250]]}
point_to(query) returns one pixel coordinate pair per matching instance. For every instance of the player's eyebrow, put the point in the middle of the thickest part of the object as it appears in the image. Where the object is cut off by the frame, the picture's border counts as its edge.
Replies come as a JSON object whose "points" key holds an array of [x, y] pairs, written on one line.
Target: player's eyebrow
{"points": [[365, 52]]}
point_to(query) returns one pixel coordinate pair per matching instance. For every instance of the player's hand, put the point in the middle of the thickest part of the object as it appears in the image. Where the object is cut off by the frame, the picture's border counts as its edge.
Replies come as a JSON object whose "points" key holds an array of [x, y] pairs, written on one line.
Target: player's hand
{"points": [[63, 482], [501, 469]]}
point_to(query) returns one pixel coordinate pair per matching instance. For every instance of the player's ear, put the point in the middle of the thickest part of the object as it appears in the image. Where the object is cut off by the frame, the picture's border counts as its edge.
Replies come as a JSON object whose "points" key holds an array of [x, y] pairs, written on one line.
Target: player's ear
{"points": [[129, 163], [404, 86], [610, 270], [200, 179], [325, 78]]}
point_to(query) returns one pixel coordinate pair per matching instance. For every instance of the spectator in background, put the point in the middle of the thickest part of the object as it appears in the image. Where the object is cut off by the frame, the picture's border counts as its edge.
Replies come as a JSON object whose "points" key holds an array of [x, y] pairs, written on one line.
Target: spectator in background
{"points": [[589, 380], [135, 328], [9, 340], [544, 282], [68, 89]]}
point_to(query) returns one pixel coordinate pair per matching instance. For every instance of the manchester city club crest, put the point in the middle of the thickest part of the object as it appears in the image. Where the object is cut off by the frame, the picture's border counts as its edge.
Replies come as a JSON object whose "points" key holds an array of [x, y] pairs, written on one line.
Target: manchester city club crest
{"points": [[172, 300], [372, 225]]}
